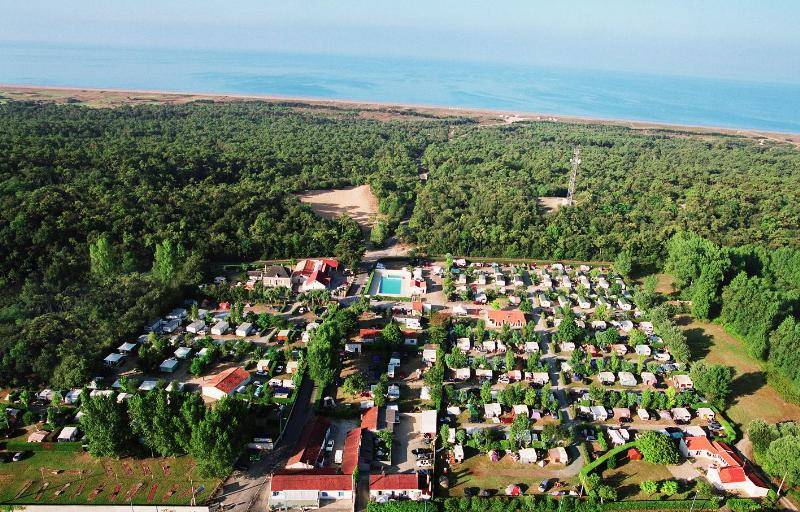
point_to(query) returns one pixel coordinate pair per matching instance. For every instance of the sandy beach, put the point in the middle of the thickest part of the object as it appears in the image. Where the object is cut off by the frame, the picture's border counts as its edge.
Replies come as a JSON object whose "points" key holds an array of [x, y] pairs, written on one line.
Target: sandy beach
{"points": [[101, 97]]}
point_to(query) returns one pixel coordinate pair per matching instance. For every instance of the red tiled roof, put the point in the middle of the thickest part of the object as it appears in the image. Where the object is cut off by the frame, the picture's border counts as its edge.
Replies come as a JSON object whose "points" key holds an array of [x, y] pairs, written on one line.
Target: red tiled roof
{"points": [[368, 333], [369, 419], [513, 316], [699, 443], [229, 379], [351, 451], [310, 443], [394, 482], [311, 481], [732, 474]]}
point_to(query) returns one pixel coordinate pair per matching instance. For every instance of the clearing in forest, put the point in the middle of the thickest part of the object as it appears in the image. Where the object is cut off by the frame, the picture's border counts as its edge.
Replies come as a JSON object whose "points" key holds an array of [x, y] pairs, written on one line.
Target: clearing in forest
{"points": [[551, 203], [357, 202], [752, 397]]}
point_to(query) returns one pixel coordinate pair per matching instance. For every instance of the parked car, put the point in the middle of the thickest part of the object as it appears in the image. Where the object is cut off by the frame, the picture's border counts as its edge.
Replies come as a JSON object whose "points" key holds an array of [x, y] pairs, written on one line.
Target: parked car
{"points": [[329, 445], [471, 492], [544, 485], [18, 456], [425, 463], [419, 451]]}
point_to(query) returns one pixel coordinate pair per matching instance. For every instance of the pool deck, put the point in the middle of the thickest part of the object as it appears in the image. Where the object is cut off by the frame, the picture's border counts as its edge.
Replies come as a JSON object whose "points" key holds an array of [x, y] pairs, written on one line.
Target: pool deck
{"points": [[405, 283]]}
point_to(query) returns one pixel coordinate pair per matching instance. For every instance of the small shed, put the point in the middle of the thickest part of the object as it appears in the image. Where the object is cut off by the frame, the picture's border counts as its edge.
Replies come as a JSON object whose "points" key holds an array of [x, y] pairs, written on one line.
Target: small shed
{"points": [[244, 329], [114, 359], [484, 373], [626, 378], [169, 365], [532, 346], [706, 413], [649, 378], [126, 348], [606, 377], [220, 328], [148, 385], [493, 410], [681, 414], [567, 346], [68, 435], [521, 409], [540, 378], [643, 350], [429, 353], [464, 344], [38, 436], [642, 413], [634, 454], [196, 326], [557, 455], [622, 412], [183, 352], [619, 348], [291, 367], [458, 453], [527, 456], [463, 373]]}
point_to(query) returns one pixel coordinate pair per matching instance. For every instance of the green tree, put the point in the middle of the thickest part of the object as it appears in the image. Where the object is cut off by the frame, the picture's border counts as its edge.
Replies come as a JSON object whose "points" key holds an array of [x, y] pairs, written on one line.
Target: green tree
{"points": [[166, 263], [669, 487], [623, 263], [392, 335], [649, 487], [354, 384], [380, 391], [106, 425], [658, 448], [219, 437], [713, 381], [101, 258]]}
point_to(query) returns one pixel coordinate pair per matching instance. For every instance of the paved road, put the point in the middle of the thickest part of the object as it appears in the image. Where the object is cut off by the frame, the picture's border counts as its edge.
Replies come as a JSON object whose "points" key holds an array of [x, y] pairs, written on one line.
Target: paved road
{"points": [[249, 490]]}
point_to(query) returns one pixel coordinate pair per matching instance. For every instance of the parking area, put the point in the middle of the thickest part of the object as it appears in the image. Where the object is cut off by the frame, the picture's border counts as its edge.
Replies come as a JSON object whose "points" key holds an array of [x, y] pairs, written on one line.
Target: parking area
{"points": [[339, 432], [406, 440]]}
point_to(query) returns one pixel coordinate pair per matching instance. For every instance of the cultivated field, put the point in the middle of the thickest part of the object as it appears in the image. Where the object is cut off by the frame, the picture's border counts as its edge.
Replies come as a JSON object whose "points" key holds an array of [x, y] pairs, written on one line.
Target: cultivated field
{"points": [[357, 202], [50, 477]]}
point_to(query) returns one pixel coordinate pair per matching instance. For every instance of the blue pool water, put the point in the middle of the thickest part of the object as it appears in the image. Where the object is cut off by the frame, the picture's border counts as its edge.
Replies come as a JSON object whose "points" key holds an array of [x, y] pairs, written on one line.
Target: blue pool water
{"points": [[391, 285], [502, 86]]}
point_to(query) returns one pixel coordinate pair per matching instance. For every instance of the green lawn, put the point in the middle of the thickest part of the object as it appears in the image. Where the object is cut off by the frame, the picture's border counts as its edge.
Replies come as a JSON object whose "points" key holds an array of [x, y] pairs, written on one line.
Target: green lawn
{"points": [[478, 471], [56, 477], [627, 477], [752, 396]]}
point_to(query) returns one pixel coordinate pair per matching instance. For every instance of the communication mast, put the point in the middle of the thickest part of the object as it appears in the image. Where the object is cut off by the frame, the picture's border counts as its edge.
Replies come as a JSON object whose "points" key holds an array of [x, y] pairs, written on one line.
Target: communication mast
{"points": [[576, 161]]}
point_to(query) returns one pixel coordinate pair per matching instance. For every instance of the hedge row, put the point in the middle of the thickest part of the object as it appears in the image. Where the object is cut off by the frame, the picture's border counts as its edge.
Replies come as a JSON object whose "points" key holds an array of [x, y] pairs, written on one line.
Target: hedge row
{"points": [[22, 446], [701, 504]]}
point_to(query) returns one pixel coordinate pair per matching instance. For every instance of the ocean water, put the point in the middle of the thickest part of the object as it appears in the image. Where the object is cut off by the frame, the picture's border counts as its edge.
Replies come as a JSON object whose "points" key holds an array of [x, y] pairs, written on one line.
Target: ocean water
{"points": [[556, 91]]}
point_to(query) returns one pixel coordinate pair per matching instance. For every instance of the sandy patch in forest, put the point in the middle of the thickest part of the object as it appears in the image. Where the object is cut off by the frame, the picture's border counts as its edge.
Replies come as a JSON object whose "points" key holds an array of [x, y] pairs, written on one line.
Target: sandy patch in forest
{"points": [[357, 202], [552, 204]]}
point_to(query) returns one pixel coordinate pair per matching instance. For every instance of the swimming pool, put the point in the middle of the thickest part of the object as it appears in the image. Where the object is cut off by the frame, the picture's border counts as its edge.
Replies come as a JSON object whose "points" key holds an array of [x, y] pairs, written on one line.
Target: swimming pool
{"points": [[391, 285]]}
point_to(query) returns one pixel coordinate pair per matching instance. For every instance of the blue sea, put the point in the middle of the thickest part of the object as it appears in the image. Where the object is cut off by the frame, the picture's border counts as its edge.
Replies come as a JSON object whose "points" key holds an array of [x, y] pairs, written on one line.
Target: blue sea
{"points": [[508, 87]]}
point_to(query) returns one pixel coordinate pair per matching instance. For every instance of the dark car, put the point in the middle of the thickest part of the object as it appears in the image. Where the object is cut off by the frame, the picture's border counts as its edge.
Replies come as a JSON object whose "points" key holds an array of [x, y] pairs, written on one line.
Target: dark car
{"points": [[421, 451], [544, 485], [471, 492]]}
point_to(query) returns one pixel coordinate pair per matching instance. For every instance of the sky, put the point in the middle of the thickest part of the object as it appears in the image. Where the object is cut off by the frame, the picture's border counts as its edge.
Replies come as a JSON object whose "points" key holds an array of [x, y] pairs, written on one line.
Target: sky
{"points": [[733, 39]]}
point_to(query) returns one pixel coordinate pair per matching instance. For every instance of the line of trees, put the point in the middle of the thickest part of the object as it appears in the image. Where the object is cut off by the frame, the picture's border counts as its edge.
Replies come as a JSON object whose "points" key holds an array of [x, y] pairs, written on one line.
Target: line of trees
{"points": [[167, 423]]}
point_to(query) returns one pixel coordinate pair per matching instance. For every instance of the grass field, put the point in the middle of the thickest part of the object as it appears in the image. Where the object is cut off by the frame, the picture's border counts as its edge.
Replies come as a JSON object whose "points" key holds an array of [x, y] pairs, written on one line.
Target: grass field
{"points": [[75, 478], [627, 477], [752, 396], [478, 471]]}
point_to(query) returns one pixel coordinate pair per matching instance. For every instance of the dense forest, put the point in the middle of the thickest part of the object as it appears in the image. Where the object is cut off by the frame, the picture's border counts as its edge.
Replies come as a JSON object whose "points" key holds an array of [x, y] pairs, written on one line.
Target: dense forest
{"points": [[216, 181]]}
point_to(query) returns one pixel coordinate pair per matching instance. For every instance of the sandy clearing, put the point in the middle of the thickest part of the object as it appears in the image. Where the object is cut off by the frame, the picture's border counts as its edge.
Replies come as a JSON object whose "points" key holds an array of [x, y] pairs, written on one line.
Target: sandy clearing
{"points": [[357, 202], [552, 204]]}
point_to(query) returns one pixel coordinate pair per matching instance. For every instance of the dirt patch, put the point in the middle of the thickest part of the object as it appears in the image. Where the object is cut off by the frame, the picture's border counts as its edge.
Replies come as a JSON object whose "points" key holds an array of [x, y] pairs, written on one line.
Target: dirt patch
{"points": [[552, 204], [357, 202]]}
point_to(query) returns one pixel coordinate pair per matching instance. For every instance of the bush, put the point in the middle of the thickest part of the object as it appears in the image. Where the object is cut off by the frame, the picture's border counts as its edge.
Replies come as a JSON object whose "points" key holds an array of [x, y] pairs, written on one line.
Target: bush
{"points": [[711, 504]]}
